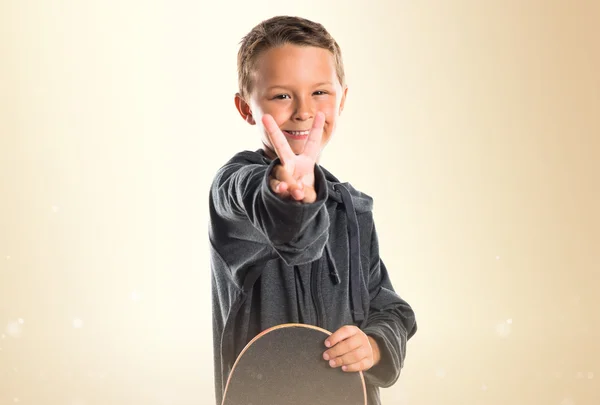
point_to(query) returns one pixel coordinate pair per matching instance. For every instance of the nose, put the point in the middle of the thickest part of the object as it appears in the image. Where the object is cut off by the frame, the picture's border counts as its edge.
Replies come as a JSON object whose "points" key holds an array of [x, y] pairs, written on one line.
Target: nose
{"points": [[303, 110]]}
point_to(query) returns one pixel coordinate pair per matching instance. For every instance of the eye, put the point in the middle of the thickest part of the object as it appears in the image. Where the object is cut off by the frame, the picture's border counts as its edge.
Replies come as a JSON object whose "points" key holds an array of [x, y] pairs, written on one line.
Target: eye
{"points": [[281, 97], [320, 93]]}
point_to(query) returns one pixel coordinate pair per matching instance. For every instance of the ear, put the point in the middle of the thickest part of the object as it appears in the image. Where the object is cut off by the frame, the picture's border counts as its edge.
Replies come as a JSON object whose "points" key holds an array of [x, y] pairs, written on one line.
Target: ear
{"points": [[244, 109], [343, 101]]}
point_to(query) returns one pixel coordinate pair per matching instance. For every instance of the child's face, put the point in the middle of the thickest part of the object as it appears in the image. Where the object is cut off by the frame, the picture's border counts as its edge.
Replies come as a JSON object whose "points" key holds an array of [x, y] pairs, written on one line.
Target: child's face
{"points": [[292, 83]]}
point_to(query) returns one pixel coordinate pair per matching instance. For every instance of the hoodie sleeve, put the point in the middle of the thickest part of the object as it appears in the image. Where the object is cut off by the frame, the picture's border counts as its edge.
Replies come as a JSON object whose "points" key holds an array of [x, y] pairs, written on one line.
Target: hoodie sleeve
{"points": [[391, 322], [297, 231]]}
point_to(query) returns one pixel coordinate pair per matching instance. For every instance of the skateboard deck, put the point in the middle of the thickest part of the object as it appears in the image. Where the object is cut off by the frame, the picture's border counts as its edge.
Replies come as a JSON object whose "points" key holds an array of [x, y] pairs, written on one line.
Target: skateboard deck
{"points": [[284, 365]]}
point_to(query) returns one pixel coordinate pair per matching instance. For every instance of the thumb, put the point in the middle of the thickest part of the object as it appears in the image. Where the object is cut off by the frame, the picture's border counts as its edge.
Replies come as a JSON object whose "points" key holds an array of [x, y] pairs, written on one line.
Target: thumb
{"points": [[310, 195]]}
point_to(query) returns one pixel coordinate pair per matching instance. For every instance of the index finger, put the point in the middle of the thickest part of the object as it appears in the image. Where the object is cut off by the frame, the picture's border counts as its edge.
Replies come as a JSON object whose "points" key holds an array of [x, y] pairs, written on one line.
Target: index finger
{"points": [[342, 333], [278, 140], [313, 144]]}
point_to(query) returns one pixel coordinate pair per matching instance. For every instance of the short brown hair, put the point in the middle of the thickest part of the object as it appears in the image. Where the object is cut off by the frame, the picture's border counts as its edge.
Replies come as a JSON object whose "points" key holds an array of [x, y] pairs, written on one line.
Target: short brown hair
{"points": [[282, 30]]}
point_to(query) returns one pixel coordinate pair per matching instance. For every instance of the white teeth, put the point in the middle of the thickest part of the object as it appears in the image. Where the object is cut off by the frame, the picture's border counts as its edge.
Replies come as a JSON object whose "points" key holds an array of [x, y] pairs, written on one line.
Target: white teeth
{"points": [[298, 132]]}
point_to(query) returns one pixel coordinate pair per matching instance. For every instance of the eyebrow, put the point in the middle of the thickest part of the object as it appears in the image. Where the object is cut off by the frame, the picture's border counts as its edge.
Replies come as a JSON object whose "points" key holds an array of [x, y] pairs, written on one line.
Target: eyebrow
{"points": [[278, 86]]}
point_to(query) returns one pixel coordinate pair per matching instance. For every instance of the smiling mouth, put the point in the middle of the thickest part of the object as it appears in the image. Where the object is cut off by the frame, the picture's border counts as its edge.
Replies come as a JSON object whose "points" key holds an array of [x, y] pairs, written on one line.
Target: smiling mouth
{"points": [[297, 133]]}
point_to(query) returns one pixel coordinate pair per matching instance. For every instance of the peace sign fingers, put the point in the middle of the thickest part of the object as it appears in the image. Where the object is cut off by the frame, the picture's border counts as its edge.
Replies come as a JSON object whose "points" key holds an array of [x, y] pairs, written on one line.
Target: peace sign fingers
{"points": [[295, 176]]}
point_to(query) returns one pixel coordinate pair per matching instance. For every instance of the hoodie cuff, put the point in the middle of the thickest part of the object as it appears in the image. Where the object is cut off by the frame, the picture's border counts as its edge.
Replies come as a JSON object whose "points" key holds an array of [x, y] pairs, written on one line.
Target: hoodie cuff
{"points": [[298, 231], [387, 371]]}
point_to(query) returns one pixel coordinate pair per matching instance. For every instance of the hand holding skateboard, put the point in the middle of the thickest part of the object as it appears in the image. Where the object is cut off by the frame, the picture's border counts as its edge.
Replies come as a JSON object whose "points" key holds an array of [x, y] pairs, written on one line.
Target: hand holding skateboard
{"points": [[351, 349]]}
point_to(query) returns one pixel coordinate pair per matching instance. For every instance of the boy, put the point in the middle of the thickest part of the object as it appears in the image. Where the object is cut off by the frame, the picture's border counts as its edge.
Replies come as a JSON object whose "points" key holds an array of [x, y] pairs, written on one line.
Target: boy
{"points": [[290, 243]]}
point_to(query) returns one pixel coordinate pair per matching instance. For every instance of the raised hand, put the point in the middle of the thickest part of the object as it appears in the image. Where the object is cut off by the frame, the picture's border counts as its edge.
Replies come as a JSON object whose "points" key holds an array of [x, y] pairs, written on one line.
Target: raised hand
{"points": [[295, 177], [351, 349]]}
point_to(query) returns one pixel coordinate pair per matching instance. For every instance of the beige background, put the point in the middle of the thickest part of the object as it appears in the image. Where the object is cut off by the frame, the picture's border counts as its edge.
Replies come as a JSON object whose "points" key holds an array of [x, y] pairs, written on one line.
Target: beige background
{"points": [[475, 126]]}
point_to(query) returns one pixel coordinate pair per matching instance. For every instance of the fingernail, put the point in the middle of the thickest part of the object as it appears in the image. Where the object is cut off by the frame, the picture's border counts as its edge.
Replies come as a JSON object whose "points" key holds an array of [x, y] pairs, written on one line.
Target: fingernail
{"points": [[332, 363], [344, 368], [326, 356], [327, 343]]}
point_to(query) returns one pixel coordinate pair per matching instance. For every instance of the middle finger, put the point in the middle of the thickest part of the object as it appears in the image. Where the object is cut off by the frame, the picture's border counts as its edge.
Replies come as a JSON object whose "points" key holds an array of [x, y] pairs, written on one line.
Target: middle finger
{"points": [[352, 357], [343, 347]]}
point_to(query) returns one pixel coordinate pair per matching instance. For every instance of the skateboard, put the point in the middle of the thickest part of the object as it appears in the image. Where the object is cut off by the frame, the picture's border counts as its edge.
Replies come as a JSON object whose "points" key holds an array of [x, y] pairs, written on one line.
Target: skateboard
{"points": [[284, 365]]}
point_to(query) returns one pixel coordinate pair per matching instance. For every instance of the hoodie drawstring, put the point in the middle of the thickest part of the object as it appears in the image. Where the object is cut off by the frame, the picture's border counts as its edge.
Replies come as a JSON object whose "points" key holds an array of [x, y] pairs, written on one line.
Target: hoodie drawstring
{"points": [[354, 259], [333, 271]]}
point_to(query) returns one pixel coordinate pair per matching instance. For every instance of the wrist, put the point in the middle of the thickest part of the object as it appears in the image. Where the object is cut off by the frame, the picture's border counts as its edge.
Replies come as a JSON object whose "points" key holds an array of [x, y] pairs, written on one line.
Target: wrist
{"points": [[376, 351]]}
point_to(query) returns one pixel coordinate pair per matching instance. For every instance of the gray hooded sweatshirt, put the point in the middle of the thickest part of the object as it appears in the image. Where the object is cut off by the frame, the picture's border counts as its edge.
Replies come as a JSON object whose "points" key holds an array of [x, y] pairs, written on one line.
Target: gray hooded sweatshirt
{"points": [[278, 261]]}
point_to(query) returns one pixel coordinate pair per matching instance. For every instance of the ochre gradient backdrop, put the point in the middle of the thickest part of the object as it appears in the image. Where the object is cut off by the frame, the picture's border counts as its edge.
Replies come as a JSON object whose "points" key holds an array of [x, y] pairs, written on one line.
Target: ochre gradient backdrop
{"points": [[475, 126]]}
